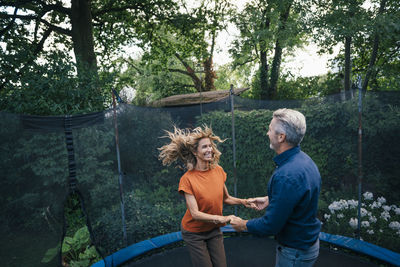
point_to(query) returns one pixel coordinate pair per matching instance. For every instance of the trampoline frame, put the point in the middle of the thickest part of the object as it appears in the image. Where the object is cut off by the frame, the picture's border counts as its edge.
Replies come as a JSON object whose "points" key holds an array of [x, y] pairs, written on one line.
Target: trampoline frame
{"points": [[145, 246]]}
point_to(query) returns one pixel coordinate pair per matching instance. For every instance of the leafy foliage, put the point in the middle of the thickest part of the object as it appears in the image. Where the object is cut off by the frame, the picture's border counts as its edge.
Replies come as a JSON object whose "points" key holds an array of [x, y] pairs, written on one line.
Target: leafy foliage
{"points": [[267, 28], [77, 250], [51, 88]]}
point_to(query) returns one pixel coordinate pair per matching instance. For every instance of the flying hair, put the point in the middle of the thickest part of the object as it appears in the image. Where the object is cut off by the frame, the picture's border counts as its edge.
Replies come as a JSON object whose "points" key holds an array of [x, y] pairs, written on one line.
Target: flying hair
{"points": [[183, 144]]}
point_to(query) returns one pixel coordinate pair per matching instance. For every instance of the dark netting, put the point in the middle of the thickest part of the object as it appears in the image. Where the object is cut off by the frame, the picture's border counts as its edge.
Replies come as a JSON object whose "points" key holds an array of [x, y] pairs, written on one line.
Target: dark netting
{"points": [[97, 176], [33, 171], [142, 201]]}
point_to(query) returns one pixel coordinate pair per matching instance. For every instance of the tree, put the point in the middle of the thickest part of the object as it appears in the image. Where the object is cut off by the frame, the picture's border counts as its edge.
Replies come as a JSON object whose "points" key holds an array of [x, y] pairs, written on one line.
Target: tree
{"points": [[90, 28], [370, 36], [339, 21], [191, 39], [381, 35], [267, 28]]}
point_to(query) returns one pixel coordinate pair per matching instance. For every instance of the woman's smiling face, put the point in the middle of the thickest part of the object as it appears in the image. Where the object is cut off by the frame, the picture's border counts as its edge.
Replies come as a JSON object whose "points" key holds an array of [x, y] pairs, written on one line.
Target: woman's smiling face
{"points": [[204, 150]]}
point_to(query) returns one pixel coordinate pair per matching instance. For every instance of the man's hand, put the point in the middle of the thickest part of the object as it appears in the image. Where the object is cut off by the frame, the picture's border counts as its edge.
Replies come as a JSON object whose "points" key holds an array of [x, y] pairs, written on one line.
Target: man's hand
{"points": [[249, 203], [259, 203], [238, 224]]}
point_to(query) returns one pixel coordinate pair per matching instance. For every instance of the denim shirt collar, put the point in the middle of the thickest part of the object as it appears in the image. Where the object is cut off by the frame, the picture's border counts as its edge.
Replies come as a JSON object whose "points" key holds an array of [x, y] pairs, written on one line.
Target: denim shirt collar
{"points": [[281, 158]]}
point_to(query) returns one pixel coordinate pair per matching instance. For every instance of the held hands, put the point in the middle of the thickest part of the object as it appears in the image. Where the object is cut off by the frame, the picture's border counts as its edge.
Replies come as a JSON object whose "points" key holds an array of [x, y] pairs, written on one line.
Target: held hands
{"points": [[248, 203], [223, 219], [238, 223], [258, 203]]}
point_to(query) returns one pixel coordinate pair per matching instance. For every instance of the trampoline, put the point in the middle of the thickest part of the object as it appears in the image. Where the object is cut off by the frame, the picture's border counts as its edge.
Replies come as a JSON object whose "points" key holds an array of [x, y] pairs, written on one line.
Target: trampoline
{"points": [[129, 198], [248, 250]]}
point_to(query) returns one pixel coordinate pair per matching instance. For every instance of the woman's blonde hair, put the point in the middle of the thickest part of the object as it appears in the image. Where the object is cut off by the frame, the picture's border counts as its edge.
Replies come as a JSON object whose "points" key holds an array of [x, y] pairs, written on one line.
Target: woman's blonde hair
{"points": [[183, 146]]}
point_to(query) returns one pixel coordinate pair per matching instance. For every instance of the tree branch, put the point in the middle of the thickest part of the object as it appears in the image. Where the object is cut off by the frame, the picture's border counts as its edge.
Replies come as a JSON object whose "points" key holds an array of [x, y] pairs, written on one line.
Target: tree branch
{"points": [[133, 66], [3, 31], [250, 59], [179, 71], [32, 17], [111, 9]]}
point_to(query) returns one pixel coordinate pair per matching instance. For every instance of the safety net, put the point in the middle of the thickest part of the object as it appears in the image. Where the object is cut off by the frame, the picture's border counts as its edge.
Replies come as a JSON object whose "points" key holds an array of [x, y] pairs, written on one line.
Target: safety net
{"points": [[110, 160]]}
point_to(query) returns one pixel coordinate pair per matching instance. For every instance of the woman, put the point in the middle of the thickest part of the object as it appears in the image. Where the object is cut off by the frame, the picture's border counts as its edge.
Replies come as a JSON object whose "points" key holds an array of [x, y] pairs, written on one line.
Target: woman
{"points": [[203, 186]]}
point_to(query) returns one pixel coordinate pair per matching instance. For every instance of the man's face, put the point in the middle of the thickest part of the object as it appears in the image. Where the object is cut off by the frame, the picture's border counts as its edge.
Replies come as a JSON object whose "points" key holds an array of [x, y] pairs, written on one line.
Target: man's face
{"points": [[273, 136]]}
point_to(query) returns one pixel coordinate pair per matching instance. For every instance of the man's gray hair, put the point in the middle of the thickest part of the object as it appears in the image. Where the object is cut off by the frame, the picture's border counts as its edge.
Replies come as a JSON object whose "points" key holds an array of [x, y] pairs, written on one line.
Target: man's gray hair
{"points": [[292, 123]]}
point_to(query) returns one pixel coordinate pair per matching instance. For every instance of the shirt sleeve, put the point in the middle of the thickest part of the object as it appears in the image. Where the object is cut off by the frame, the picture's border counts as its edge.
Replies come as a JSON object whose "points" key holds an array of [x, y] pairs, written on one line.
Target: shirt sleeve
{"points": [[185, 186], [285, 195], [223, 173]]}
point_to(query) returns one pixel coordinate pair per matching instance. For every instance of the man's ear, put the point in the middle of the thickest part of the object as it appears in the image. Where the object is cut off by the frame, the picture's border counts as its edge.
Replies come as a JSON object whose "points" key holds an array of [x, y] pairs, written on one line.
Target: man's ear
{"points": [[281, 138]]}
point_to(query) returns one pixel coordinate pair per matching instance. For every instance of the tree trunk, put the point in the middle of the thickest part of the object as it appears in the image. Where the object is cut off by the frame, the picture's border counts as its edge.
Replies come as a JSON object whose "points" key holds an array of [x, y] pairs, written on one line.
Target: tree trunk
{"points": [[209, 75], [198, 83], [264, 68], [276, 63], [82, 36], [374, 53], [263, 74], [347, 63]]}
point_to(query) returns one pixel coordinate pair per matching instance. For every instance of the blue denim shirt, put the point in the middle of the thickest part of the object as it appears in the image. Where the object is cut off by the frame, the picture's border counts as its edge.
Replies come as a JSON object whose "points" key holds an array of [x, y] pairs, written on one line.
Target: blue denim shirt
{"points": [[293, 192]]}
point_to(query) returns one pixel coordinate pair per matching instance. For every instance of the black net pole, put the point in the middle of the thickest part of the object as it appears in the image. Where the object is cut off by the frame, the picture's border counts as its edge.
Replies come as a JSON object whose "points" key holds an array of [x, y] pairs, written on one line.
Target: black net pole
{"points": [[359, 156], [233, 146], [69, 141], [120, 181]]}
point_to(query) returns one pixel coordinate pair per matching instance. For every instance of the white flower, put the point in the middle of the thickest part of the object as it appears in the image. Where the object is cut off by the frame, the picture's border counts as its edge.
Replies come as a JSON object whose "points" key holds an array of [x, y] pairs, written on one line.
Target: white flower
{"points": [[363, 212], [365, 224], [394, 225], [385, 215], [381, 200], [386, 208], [368, 195], [352, 203], [372, 219], [397, 211], [371, 232], [340, 215], [337, 205], [353, 223], [375, 205], [327, 216]]}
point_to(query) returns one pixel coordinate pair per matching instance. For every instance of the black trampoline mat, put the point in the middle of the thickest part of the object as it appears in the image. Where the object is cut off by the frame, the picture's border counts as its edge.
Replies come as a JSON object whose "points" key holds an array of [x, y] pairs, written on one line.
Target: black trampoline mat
{"points": [[249, 251]]}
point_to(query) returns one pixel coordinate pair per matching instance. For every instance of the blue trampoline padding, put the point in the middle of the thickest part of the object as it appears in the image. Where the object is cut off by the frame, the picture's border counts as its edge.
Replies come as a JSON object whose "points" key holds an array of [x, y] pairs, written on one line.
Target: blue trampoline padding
{"points": [[362, 247], [142, 247]]}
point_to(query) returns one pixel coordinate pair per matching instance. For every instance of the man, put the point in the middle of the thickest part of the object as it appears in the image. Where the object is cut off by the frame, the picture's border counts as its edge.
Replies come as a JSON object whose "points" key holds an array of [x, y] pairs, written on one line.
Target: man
{"points": [[293, 191]]}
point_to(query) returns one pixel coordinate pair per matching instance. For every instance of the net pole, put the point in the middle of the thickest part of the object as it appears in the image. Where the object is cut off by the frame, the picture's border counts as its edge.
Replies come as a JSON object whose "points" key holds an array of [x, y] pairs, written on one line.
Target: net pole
{"points": [[360, 173], [120, 180], [201, 96], [233, 146]]}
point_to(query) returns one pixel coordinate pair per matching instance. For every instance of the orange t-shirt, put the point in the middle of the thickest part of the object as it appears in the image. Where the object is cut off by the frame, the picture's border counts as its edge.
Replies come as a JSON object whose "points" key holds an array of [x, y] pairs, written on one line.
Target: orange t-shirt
{"points": [[208, 189]]}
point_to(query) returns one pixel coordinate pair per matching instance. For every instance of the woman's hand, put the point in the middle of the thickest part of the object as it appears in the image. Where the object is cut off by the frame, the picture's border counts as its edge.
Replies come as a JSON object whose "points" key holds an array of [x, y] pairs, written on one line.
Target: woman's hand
{"points": [[249, 203], [223, 219], [258, 203]]}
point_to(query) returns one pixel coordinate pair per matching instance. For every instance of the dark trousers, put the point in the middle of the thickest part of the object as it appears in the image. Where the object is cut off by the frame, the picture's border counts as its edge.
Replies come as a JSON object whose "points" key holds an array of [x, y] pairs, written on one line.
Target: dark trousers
{"points": [[206, 248]]}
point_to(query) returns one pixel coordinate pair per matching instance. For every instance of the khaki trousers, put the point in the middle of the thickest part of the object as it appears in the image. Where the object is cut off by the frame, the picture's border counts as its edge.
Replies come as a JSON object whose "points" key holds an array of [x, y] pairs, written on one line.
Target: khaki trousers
{"points": [[206, 248]]}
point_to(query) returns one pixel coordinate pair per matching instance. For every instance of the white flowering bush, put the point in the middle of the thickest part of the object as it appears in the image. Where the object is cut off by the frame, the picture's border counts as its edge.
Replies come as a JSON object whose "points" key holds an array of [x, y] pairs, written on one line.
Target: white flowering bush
{"points": [[380, 222]]}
